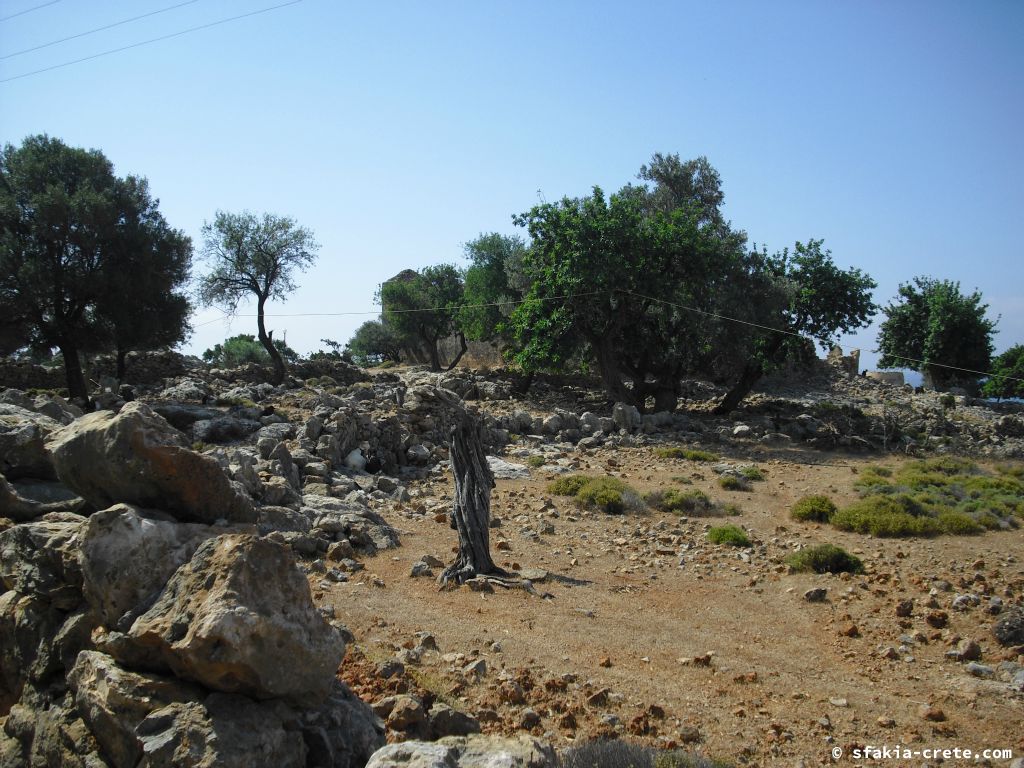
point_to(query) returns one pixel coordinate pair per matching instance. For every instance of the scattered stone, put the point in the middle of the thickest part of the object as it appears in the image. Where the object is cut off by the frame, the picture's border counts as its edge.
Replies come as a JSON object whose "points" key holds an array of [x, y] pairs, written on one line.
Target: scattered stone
{"points": [[420, 569], [931, 713], [816, 595], [1009, 629]]}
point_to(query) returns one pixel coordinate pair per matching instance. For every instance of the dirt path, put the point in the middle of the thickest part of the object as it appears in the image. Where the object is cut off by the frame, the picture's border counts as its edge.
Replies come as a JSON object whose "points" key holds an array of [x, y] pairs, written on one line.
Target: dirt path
{"points": [[622, 641]]}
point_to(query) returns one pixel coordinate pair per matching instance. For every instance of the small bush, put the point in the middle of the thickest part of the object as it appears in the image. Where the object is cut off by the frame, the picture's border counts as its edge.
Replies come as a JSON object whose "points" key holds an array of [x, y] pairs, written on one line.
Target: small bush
{"points": [[682, 480], [885, 517], [824, 558], [1013, 470], [752, 473], [672, 500], [535, 461], [729, 534], [819, 509], [604, 497], [733, 483], [569, 485], [690, 454], [609, 494], [959, 524]]}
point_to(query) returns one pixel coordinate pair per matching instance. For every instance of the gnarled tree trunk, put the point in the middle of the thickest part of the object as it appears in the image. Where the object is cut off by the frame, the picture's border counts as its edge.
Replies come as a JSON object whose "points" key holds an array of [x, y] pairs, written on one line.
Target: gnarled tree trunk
{"points": [[267, 340], [471, 511]]}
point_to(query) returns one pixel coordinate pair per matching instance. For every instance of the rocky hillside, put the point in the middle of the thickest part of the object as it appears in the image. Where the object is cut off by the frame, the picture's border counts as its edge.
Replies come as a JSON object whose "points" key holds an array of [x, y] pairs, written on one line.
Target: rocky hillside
{"points": [[172, 562]]}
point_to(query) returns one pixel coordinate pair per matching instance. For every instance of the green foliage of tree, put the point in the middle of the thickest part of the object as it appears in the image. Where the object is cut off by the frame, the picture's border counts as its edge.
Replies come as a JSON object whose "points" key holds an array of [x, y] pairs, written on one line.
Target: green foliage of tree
{"points": [[1007, 379], [138, 307], [335, 351], [86, 260], [631, 283], [254, 256], [245, 348], [933, 328], [422, 308], [373, 343], [652, 283], [493, 284], [803, 295]]}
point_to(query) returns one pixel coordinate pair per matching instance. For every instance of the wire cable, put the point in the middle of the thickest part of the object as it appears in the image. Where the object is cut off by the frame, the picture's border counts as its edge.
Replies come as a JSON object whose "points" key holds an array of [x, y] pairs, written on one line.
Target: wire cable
{"points": [[29, 10], [151, 40], [453, 308], [98, 29], [705, 313], [798, 335]]}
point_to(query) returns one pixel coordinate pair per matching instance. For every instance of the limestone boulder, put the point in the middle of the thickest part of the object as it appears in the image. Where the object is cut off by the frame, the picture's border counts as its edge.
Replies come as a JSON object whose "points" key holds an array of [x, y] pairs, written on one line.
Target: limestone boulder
{"points": [[226, 731], [239, 618], [23, 436], [337, 519], [41, 558], [127, 554], [113, 702], [343, 732], [466, 752], [52, 735], [136, 457], [626, 417]]}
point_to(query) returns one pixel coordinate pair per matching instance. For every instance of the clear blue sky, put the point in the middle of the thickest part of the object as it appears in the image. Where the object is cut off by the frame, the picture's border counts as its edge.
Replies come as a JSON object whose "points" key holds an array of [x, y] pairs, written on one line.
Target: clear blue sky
{"points": [[398, 131]]}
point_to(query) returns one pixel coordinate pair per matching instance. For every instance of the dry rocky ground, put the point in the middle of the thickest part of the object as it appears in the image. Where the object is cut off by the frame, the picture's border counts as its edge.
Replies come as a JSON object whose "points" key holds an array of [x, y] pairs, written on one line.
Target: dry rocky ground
{"points": [[632, 625], [646, 630]]}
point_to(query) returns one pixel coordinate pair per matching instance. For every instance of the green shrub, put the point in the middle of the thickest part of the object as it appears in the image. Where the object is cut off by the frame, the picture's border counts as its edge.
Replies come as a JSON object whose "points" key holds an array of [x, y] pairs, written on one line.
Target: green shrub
{"points": [[946, 494], [885, 517], [818, 508], [824, 558], [535, 461], [728, 534], [693, 502], [604, 497], [690, 454], [1013, 470], [568, 485], [608, 494], [752, 473], [732, 483], [959, 523]]}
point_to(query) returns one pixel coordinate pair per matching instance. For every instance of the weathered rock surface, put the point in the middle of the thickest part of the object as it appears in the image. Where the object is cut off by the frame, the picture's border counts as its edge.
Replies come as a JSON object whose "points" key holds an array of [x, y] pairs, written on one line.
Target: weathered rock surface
{"points": [[466, 752], [1009, 629], [114, 701], [337, 519], [239, 618], [23, 435], [41, 558], [127, 556], [135, 456], [225, 731]]}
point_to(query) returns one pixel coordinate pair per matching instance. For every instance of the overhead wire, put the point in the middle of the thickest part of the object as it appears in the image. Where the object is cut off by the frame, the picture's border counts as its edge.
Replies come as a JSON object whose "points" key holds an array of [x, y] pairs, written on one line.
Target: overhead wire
{"points": [[97, 29], [29, 10], [151, 40], [716, 315]]}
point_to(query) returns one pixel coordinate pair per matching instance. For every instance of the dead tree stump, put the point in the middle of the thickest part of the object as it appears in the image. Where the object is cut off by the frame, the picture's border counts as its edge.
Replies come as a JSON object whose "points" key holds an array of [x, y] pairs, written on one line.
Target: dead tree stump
{"points": [[471, 510]]}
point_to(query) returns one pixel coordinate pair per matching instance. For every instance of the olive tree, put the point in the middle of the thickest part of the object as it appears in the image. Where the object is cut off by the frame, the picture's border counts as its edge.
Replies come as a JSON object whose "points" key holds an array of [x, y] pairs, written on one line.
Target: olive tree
{"points": [[254, 256], [87, 262]]}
